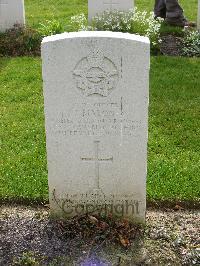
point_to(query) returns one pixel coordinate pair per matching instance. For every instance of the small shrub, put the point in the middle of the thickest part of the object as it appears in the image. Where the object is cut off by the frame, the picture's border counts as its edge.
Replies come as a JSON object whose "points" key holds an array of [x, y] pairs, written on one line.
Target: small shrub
{"points": [[27, 259], [51, 27], [191, 43], [132, 21], [20, 41], [79, 22]]}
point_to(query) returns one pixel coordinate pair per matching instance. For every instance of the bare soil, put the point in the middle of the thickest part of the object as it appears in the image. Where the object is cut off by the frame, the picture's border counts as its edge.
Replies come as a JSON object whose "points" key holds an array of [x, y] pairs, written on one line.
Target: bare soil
{"points": [[171, 45], [29, 237]]}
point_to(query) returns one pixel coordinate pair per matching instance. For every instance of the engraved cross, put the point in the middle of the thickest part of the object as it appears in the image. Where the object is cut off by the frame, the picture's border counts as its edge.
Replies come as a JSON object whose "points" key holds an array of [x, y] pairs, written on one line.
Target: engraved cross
{"points": [[97, 161], [111, 4]]}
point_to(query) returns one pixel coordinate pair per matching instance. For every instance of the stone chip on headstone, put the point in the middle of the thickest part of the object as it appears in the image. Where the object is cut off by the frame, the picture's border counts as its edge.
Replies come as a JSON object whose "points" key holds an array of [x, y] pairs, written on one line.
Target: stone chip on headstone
{"points": [[96, 87], [11, 13], [99, 6]]}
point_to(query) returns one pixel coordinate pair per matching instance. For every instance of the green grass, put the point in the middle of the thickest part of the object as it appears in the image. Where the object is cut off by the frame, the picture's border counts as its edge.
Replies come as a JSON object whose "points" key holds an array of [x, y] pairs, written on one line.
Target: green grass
{"points": [[22, 134], [174, 130], [174, 151], [40, 10], [61, 10]]}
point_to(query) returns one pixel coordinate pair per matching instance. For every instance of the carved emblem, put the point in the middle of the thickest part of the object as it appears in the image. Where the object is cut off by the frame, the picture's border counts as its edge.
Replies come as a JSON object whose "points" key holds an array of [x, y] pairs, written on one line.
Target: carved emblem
{"points": [[96, 74]]}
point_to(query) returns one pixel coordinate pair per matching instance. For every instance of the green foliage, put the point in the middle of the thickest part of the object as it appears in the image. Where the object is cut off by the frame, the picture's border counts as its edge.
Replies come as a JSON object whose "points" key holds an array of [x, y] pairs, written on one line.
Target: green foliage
{"points": [[168, 29], [51, 27], [26, 41], [133, 21], [27, 259], [20, 41], [40, 11], [23, 154], [173, 161], [79, 22], [62, 10], [174, 127], [191, 43]]}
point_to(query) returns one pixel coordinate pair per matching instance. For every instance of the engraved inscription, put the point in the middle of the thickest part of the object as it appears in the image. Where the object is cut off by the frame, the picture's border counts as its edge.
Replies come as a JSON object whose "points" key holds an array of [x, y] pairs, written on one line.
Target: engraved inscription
{"points": [[96, 74], [91, 203], [97, 161], [97, 119], [111, 4]]}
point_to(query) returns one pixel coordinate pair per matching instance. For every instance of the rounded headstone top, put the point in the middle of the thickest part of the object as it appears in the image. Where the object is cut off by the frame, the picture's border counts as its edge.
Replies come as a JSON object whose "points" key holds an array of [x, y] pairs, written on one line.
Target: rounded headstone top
{"points": [[96, 34]]}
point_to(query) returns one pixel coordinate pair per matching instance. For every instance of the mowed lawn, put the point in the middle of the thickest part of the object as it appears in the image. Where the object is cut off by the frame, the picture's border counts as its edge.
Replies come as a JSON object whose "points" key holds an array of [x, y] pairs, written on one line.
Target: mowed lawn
{"points": [[38, 11], [174, 123], [174, 130]]}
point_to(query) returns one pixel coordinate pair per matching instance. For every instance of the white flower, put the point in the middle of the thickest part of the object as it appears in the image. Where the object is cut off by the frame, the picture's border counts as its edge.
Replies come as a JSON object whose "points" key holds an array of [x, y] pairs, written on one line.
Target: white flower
{"points": [[133, 21]]}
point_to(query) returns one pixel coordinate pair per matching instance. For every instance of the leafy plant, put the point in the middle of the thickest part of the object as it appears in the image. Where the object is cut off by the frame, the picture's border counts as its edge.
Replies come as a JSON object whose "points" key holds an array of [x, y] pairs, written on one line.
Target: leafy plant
{"points": [[191, 43], [132, 21], [20, 41], [79, 22], [27, 259], [51, 27]]}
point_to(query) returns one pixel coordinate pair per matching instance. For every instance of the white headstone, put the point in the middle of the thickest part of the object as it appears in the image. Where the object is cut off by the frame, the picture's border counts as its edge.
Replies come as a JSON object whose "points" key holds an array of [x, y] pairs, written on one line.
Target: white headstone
{"points": [[96, 111], [99, 6], [11, 13], [198, 19]]}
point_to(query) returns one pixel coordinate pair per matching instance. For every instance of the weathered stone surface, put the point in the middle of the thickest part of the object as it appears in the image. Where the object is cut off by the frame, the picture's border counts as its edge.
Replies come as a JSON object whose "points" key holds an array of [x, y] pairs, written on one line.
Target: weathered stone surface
{"points": [[96, 110], [11, 13], [99, 6]]}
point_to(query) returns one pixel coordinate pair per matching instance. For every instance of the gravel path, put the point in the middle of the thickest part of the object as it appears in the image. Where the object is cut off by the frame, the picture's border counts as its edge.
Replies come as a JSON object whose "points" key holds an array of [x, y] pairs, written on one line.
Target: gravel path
{"points": [[29, 237]]}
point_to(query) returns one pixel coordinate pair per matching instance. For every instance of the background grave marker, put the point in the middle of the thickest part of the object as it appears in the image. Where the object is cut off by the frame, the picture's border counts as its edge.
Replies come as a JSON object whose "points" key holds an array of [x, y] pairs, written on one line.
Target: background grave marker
{"points": [[99, 6], [11, 13]]}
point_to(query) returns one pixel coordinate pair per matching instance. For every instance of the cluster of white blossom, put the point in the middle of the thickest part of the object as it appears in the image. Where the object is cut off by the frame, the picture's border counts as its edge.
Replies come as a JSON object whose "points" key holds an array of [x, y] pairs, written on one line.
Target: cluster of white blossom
{"points": [[80, 22], [153, 29], [132, 21], [191, 43]]}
